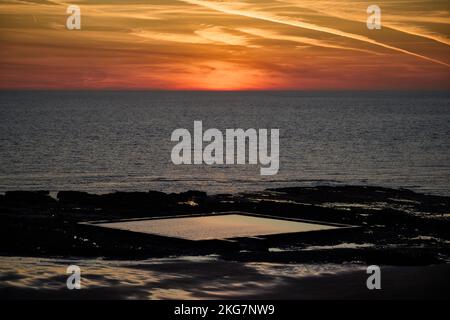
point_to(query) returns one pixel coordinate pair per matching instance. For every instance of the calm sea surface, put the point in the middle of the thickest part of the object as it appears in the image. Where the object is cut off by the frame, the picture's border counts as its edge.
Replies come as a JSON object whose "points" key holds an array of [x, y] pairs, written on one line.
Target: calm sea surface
{"points": [[105, 141]]}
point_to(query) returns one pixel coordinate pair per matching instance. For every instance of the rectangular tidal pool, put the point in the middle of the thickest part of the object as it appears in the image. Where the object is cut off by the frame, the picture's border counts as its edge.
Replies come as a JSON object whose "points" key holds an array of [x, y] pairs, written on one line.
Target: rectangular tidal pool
{"points": [[217, 226]]}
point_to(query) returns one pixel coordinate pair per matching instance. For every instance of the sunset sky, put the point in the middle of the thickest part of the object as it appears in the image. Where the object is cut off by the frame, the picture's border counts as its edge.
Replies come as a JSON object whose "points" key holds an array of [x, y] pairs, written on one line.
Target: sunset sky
{"points": [[225, 45]]}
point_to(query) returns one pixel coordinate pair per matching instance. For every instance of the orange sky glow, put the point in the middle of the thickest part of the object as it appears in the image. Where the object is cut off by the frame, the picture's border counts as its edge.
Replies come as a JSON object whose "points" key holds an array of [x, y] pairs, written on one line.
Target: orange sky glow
{"points": [[225, 45]]}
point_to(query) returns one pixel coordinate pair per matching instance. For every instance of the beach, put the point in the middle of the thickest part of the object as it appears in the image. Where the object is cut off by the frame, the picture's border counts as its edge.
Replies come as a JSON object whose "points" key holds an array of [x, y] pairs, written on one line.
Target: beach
{"points": [[211, 278], [403, 232]]}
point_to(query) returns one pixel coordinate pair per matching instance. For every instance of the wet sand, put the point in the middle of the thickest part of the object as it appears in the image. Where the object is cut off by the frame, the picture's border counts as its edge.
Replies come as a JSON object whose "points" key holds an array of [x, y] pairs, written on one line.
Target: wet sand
{"points": [[212, 278]]}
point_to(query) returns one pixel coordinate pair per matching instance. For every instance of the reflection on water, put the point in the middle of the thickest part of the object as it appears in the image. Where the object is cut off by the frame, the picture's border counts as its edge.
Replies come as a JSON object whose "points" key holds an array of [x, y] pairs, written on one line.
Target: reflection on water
{"points": [[215, 227], [105, 141], [169, 278]]}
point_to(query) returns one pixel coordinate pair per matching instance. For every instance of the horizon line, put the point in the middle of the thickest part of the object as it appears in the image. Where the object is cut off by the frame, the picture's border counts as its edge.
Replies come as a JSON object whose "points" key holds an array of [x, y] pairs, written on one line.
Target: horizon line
{"points": [[412, 90]]}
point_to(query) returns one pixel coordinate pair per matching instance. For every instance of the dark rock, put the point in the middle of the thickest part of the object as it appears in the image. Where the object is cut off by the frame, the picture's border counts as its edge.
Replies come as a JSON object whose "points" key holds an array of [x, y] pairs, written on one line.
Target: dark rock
{"points": [[77, 198], [28, 199], [400, 226], [191, 195], [133, 200]]}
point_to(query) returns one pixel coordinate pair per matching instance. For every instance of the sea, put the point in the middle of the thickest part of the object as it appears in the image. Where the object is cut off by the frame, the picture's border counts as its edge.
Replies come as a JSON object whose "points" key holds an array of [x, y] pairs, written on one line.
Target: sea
{"points": [[105, 141]]}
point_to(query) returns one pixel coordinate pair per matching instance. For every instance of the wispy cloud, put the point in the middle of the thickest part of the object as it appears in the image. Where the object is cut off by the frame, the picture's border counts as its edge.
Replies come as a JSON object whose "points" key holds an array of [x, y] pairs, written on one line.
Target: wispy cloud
{"points": [[397, 16], [228, 8], [171, 37], [267, 34], [205, 44], [220, 35]]}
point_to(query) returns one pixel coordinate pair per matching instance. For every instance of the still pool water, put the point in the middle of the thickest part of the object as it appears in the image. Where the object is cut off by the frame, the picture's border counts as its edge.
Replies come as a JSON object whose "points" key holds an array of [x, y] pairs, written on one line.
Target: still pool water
{"points": [[216, 226]]}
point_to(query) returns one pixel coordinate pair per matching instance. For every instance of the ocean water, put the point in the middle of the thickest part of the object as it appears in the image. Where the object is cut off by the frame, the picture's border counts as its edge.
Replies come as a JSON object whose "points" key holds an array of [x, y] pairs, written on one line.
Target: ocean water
{"points": [[106, 141]]}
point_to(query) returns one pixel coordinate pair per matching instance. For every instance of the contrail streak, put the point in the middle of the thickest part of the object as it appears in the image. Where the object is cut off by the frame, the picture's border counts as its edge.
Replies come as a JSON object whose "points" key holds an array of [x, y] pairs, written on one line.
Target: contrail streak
{"points": [[299, 24]]}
